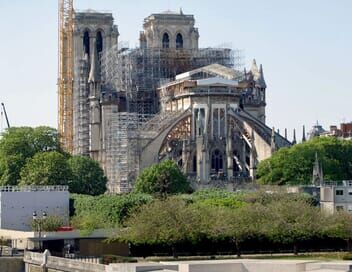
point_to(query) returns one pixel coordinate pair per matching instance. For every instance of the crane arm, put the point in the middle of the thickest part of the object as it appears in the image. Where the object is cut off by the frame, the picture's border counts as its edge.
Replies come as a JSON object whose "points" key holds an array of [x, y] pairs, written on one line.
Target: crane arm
{"points": [[7, 119]]}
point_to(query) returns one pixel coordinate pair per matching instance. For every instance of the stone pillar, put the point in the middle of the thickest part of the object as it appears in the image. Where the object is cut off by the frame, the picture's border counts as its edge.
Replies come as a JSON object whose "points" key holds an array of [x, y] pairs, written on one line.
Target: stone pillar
{"points": [[95, 125], [199, 146], [252, 166], [229, 155], [243, 157], [185, 155]]}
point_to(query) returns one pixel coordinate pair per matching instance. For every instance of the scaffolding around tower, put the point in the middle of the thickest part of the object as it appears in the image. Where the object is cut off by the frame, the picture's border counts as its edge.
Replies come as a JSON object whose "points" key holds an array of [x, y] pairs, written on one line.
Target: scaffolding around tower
{"points": [[122, 150], [65, 77]]}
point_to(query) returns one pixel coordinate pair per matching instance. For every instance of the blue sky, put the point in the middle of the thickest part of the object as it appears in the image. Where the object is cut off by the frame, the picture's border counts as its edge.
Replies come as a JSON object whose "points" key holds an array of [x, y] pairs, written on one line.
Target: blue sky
{"points": [[304, 46]]}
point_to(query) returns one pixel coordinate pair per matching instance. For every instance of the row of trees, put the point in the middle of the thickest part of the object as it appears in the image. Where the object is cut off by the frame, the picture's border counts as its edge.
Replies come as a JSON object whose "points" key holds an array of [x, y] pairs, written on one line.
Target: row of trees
{"points": [[282, 218], [32, 156], [294, 165]]}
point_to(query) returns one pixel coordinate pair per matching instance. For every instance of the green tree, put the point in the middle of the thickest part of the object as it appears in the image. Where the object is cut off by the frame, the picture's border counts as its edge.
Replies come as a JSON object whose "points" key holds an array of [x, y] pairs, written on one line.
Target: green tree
{"points": [[162, 179], [237, 225], [167, 222], [292, 221], [46, 168], [294, 165], [87, 176], [340, 226], [21, 143]]}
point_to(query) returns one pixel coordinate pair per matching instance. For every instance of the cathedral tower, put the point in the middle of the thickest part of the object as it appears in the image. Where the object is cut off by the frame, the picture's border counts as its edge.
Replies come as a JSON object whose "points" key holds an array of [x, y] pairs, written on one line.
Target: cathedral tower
{"points": [[169, 30], [94, 33]]}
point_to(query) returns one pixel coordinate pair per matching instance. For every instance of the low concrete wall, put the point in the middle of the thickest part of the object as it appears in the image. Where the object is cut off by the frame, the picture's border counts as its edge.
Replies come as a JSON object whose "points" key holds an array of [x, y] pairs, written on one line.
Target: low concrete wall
{"points": [[11, 264], [212, 267], [34, 263]]}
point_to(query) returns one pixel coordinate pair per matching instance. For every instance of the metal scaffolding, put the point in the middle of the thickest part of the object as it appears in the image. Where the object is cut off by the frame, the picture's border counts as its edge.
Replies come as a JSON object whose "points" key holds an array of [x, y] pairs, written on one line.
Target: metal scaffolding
{"points": [[139, 72], [122, 150]]}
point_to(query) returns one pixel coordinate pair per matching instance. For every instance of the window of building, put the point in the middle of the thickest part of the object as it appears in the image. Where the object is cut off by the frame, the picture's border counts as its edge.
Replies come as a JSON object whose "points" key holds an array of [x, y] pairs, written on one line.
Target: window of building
{"points": [[339, 192], [179, 41], [99, 42], [199, 121], [86, 46], [350, 192], [219, 124], [166, 40], [217, 161]]}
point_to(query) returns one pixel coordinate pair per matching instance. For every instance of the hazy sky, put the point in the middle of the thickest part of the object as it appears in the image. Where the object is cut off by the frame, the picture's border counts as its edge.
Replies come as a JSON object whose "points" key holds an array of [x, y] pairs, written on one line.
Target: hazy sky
{"points": [[305, 47]]}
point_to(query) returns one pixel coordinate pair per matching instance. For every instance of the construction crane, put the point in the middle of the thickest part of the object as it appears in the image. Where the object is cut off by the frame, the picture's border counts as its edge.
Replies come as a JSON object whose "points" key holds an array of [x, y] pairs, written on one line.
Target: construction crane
{"points": [[65, 77], [7, 119]]}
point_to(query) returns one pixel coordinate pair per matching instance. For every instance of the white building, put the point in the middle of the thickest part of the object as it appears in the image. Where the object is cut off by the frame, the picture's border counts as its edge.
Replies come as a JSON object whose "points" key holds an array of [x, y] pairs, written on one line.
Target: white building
{"points": [[17, 205], [336, 196]]}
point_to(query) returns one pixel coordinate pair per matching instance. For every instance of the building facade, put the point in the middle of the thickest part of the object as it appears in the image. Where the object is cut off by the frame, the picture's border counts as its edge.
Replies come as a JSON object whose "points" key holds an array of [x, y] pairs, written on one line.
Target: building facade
{"points": [[166, 99], [336, 197]]}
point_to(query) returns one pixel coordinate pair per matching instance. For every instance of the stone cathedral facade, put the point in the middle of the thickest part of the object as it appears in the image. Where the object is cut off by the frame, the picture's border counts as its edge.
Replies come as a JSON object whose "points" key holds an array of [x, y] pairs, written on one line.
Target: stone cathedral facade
{"points": [[166, 99]]}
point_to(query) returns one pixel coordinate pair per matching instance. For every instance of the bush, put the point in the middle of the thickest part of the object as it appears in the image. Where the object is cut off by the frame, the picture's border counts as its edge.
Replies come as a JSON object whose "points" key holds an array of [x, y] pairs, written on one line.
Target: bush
{"points": [[217, 197], [50, 223], [162, 179], [347, 256], [104, 210]]}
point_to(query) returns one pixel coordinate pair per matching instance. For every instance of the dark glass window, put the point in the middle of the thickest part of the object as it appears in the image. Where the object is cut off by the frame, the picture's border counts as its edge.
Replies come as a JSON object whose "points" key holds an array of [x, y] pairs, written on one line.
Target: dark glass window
{"points": [[99, 42], [166, 40], [86, 46], [339, 192], [217, 161], [179, 41]]}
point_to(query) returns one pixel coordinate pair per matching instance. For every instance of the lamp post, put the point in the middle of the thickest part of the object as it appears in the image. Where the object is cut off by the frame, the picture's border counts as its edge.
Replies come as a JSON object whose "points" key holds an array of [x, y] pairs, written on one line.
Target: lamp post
{"points": [[38, 223]]}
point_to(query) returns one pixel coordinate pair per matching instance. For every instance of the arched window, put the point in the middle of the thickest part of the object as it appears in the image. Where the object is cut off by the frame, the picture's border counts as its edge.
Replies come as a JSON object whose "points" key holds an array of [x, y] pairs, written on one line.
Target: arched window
{"points": [[166, 40], [179, 41], [217, 161], [99, 42], [86, 46]]}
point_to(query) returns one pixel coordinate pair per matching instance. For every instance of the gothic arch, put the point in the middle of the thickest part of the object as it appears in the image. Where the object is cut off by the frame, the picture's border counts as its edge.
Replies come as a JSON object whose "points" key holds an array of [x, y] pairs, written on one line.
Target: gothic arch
{"points": [[181, 130], [86, 41], [179, 41], [165, 40], [99, 40]]}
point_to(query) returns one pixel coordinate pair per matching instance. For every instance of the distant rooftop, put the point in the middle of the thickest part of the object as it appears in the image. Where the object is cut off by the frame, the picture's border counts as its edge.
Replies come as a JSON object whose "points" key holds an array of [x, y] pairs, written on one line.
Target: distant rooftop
{"points": [[168, 14], [92, 11]]}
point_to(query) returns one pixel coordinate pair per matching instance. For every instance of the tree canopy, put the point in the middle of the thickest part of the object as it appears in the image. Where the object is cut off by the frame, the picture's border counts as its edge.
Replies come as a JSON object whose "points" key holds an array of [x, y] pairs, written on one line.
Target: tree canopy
{"points": [[295, 165], [87, 176], [21, 143], [162, 222], [46, 168], [32, 156], [162, 179]]}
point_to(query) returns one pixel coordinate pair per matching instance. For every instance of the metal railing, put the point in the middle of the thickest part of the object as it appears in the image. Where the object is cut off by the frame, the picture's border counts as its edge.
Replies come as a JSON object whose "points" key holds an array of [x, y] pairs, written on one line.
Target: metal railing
{"points": [[34, 188]]}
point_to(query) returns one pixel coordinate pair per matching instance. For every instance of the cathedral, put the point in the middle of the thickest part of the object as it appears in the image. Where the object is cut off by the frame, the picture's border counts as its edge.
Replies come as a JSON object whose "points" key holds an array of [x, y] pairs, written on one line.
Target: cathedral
{"points": [[166, 99]]}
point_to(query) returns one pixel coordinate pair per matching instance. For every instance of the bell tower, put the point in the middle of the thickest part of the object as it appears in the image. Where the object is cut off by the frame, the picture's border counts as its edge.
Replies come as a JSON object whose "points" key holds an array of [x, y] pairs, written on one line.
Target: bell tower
{"points": [[93, 34], [169, 30]]}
